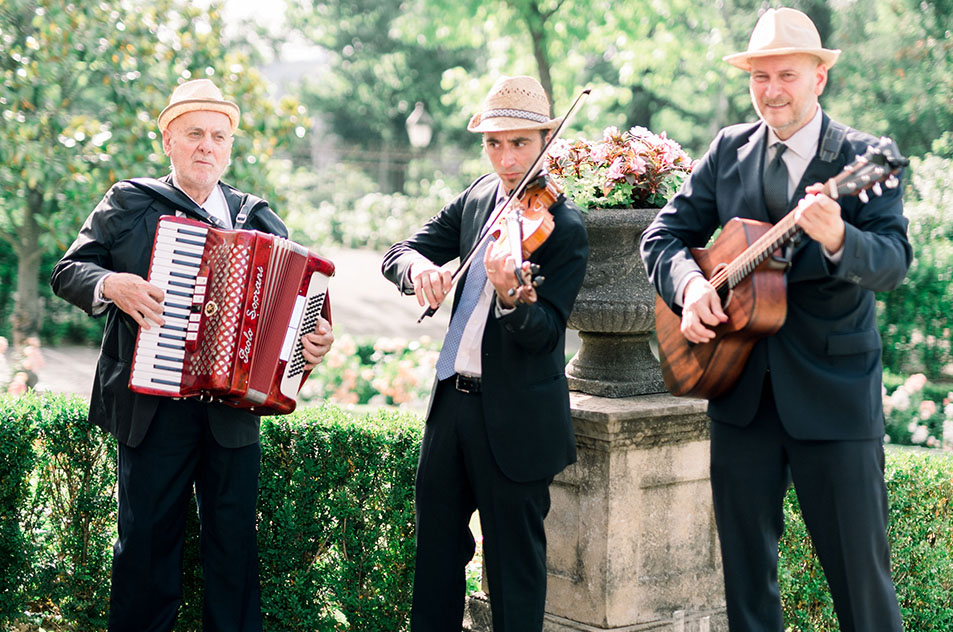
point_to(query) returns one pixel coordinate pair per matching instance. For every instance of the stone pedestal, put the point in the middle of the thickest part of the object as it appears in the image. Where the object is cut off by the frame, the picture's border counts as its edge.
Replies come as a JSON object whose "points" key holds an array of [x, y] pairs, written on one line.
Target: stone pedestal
{"points": [[631, 534]]}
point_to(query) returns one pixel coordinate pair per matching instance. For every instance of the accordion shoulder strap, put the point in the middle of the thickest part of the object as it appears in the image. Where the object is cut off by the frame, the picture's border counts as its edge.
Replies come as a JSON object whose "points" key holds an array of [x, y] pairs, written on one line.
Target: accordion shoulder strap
{"points": [[179, 200]]}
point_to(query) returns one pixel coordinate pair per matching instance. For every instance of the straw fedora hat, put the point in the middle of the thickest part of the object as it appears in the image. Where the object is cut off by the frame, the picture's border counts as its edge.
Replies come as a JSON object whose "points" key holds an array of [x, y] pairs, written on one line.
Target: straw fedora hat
{"points": [[783, 32], [514, 103], [198, 94]]}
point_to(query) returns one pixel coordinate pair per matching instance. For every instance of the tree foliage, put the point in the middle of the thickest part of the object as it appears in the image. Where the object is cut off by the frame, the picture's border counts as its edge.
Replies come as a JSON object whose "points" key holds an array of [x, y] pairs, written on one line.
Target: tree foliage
{"points": [[896, 73], [379, 65], [82, 85]]}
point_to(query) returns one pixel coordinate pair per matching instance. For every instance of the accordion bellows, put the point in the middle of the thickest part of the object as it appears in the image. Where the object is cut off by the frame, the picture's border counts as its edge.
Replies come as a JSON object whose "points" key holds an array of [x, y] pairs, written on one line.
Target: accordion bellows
{"points": [[237, 303]]}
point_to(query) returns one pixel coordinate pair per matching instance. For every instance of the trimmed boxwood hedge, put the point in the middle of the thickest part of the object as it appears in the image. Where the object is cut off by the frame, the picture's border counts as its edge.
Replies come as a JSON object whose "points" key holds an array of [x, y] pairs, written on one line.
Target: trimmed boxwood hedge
{"points": [[336, 525]]}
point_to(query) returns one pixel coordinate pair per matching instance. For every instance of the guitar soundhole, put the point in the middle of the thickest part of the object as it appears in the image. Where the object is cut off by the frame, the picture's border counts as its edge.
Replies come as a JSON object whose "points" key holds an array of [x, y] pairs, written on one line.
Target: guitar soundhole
{"points": [[724, 291], [726, 300]]}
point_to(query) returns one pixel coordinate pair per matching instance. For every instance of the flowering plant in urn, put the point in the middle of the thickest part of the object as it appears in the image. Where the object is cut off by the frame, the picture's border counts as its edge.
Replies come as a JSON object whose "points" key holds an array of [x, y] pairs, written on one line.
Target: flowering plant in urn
{"points": [[631, 169]]}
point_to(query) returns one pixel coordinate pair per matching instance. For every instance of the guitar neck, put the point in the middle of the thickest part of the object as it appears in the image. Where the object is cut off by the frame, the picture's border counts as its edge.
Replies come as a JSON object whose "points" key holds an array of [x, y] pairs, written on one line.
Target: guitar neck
{"points": [[879, 163], [780, 235]]}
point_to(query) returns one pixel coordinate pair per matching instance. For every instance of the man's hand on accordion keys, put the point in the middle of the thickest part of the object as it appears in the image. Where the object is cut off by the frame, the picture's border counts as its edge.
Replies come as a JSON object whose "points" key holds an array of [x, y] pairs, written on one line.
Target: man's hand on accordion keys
{"points": [[135, 296], [316, 344]]}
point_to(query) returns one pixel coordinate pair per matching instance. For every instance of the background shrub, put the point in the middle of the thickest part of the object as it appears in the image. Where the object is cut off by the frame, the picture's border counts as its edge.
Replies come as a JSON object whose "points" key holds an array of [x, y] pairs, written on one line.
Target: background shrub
{"points": [[918, 412], [337, 520], [914, 319], [16, 463], [73, 512], [375, 371], [336, 525], [920, 488]]}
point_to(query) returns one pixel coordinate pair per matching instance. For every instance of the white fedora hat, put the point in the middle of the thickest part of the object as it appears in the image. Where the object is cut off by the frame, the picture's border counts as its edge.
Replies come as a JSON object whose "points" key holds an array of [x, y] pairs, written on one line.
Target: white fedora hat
{"points": [[783, 32], [198, 94], [514, 103]]}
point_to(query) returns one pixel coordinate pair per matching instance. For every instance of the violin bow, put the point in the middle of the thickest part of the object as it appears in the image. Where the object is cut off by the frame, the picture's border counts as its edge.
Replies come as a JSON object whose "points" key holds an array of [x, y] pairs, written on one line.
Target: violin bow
{"points": [[531, 174]]}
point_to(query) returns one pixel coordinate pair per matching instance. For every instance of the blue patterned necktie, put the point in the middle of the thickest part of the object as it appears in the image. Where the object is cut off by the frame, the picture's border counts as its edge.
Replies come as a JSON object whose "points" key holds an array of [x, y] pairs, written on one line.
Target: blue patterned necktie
{"points": [[472, 288]]}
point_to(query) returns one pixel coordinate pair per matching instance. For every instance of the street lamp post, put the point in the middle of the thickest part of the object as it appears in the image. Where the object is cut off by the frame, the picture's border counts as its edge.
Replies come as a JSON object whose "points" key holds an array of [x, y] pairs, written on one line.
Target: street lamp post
{"points": [[419, 127]]}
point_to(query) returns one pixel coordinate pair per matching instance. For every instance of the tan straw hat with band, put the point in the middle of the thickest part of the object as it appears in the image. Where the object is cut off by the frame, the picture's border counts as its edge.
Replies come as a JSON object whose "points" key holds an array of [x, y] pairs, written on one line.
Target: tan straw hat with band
{"points": [[198, 94], [783, 32], [514, 103]]}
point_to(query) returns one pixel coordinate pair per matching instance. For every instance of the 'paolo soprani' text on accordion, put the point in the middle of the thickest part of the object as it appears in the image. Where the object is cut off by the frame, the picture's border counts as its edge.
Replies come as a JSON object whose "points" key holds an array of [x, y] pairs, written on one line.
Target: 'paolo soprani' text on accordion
{"points": [[237, 303]]}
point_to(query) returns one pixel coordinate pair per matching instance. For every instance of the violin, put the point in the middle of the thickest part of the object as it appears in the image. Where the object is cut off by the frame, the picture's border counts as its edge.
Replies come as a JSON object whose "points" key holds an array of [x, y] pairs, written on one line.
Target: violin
{"points": [[526, 226], [526, 199]]}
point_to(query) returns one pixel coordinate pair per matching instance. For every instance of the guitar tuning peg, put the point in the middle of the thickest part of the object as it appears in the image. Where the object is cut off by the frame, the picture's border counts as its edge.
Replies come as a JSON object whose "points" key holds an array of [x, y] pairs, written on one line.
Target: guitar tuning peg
{"points": [[538, 281], [892, 181], [534, 268], [863, 197], [876, 189]]}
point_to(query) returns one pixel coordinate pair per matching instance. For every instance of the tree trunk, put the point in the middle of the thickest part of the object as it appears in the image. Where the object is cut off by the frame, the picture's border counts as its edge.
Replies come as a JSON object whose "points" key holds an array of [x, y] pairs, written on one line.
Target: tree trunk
{"points": [[536, 24], [26, 311]]}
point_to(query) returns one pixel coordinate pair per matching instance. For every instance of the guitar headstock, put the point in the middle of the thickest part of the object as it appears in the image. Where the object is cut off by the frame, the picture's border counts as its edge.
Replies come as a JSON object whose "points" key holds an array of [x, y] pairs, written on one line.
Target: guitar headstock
{"points": [[880, 163]]}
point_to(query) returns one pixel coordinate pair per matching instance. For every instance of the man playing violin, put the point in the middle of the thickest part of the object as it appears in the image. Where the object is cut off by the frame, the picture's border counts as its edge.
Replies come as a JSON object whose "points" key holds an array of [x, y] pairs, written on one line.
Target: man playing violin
{"points": [[807, 406], [498, 429]]}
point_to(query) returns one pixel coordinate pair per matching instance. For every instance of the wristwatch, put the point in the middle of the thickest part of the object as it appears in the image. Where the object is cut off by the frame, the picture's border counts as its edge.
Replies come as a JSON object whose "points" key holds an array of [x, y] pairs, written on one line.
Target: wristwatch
{"points": [[102, 287]]}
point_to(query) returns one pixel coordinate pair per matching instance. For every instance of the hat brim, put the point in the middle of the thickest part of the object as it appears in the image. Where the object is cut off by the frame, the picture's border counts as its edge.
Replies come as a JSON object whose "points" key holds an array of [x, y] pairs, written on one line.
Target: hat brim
{"points": [[740, 60], [179, 108], [508, 123]]}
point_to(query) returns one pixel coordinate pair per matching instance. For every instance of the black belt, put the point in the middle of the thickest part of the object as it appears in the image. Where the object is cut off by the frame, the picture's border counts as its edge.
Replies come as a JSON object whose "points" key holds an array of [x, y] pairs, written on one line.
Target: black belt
{"points": [[467, 384]]}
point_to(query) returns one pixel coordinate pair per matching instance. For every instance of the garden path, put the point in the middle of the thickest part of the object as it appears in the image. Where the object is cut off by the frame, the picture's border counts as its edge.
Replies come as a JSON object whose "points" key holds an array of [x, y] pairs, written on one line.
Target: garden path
{"points": [[363, 303]]}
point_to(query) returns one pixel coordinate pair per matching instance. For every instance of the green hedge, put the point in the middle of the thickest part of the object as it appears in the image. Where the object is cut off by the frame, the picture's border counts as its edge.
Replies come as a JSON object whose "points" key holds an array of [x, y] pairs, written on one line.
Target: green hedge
{"points": [[336, 525], [336, 519], [920, 489]]}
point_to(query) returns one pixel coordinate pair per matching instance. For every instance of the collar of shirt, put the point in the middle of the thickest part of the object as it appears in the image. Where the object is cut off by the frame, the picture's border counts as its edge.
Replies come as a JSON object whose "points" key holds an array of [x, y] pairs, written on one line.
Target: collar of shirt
{"points": [[801, 149], [215, 205]]}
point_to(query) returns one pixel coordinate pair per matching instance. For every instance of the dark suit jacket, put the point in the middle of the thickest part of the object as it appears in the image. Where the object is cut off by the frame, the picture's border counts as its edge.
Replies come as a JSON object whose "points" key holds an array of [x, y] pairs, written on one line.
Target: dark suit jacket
{"points": [[525, 394], [118, 237], [825, 360]]}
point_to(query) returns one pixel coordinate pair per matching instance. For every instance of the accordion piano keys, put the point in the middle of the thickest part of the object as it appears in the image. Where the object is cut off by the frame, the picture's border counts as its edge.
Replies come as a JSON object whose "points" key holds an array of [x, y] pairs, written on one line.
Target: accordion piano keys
{"points": [[237, 303]]}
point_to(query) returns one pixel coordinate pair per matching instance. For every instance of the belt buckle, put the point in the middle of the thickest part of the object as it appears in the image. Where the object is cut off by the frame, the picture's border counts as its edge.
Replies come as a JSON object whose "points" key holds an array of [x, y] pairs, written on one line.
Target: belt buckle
{"points": [[467, 384]]}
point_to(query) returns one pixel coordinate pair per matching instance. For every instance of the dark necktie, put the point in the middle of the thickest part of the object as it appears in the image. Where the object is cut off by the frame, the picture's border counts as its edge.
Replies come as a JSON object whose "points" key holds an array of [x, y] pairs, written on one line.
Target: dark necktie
{"points": [[775, 183]]}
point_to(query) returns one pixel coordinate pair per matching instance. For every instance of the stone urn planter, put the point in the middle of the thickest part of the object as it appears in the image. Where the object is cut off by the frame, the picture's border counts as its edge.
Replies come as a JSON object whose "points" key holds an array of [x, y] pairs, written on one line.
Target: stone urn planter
{"points": [[615, 310]]}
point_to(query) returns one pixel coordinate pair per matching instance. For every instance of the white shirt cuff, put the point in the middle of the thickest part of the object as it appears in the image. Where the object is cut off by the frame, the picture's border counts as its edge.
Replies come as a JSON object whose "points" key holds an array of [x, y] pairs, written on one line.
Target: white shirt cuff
{"points": [[833, 257], [100, 303], [501, 311]]}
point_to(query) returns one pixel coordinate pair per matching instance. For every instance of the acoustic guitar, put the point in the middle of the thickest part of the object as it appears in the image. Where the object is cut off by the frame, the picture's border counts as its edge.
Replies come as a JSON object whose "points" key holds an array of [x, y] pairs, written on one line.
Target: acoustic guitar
{"points": [[746, 267]]}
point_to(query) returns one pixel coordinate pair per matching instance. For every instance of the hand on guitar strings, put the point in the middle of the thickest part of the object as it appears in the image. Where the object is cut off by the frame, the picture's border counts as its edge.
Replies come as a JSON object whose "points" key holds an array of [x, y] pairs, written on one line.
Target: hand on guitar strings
{"points": [[820, 218], [510, 291], [315, 345], [135, 296], [701, 311]]}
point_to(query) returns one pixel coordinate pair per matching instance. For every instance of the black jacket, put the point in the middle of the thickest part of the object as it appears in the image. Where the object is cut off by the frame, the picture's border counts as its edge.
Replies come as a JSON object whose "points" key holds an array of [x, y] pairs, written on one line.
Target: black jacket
{"points": [[117, 237], [825, 360], [525, 393]]}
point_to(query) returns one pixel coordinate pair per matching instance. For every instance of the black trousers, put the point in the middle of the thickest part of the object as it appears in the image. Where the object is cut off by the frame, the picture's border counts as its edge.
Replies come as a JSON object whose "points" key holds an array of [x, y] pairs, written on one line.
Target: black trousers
{"points": [[457, 474], [156, 480], [843, 499]]}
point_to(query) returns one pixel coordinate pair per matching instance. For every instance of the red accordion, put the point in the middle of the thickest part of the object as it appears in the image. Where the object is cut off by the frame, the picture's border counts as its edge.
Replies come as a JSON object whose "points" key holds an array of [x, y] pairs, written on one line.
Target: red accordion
{"points": [[237, 303]]}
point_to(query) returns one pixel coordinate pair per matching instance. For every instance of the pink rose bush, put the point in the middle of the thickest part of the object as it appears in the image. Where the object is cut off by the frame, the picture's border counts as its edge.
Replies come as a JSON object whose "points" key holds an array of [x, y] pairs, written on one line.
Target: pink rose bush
{"points": [[630, 169], [912, 418], [373, 372]]}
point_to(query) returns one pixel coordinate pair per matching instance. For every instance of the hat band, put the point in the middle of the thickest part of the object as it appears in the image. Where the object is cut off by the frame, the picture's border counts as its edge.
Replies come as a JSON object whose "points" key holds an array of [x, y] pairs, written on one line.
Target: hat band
{"points": [[510, 113]]}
